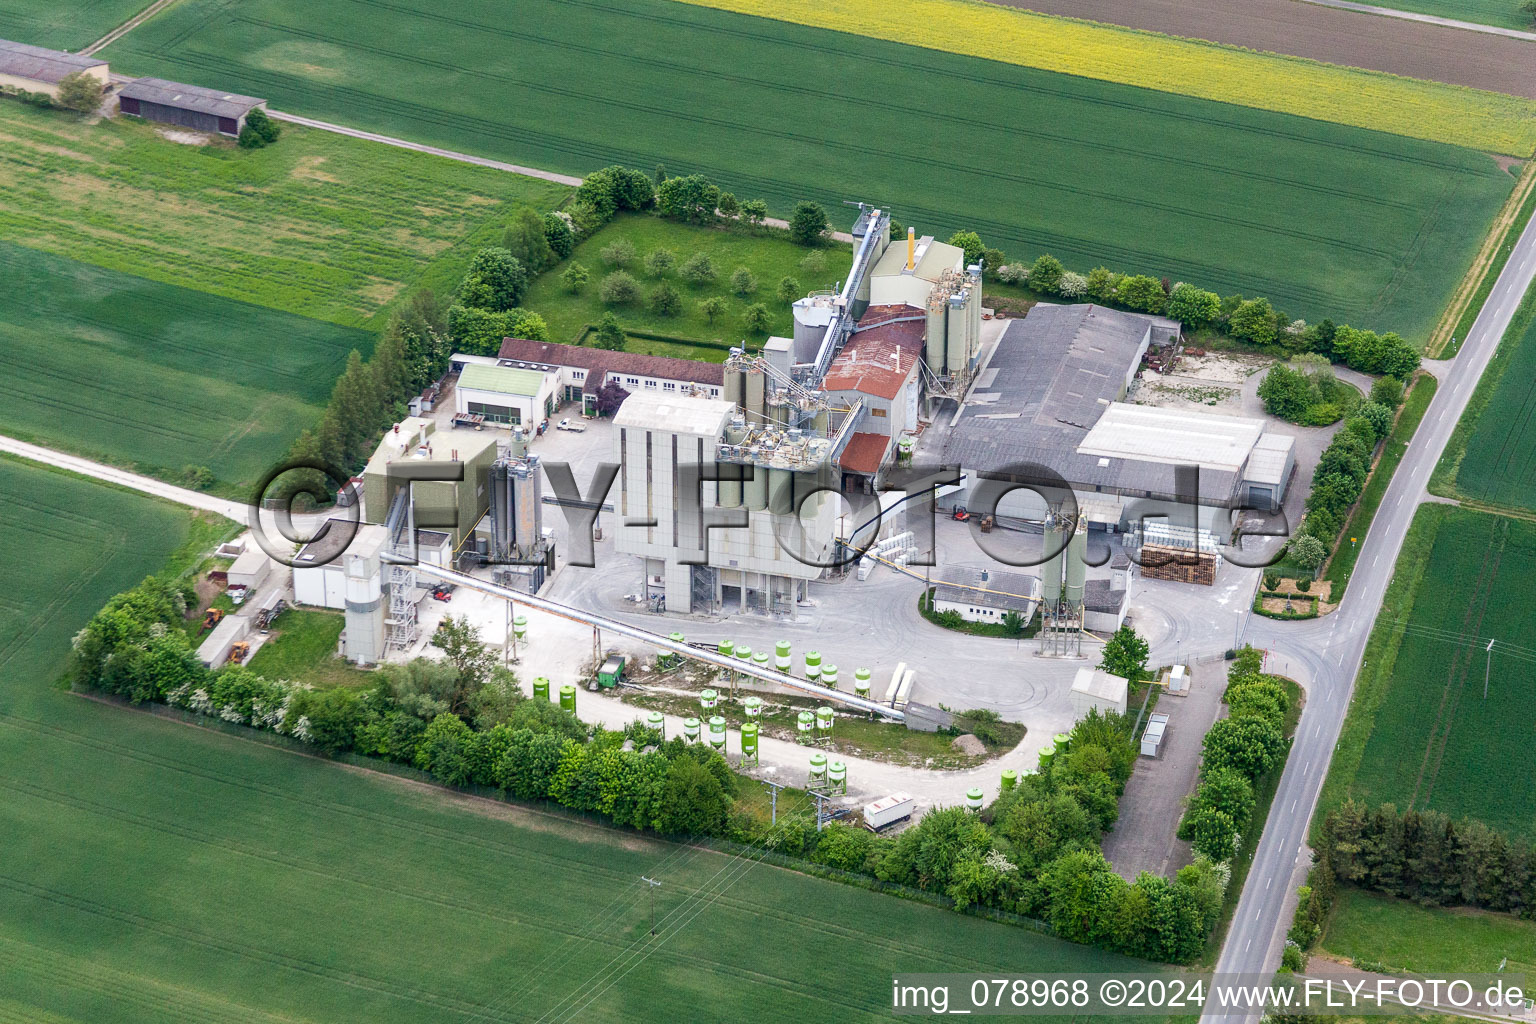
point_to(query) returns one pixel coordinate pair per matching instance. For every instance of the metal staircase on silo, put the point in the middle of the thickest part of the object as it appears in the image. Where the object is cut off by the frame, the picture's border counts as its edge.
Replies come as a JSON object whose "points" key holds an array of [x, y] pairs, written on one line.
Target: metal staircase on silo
{"points": [[400, 578]]}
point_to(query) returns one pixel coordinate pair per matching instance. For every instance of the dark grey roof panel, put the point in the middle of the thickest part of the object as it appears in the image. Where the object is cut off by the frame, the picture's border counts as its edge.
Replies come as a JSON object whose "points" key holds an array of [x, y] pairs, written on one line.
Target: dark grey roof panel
{"points": [[41, 65], [190, 97]]}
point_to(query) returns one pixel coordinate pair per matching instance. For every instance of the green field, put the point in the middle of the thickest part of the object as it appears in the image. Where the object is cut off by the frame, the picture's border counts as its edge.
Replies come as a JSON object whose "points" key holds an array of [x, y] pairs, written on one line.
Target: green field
{"points": [[1491, 457], [64, 24], [1419, 733], [156, 871], [770, 257], [1326, 220], [137, 373], [1425, 940], [319, 224]]}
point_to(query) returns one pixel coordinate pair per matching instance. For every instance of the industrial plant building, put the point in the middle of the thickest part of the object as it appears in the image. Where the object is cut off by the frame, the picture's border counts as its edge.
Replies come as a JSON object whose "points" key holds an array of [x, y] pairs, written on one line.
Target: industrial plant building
{"points": [[790, 426], [190, 106], [578, 372], [1048, 400], [984, 595], [37, 70], [508, 395]]}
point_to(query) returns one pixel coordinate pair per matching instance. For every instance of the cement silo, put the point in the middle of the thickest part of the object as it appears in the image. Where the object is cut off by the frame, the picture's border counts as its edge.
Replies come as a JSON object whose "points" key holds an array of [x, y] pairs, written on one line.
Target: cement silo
{"points": [[957, 342], [1051, 568], [781, 490], [754, 490], [1077, 566]]}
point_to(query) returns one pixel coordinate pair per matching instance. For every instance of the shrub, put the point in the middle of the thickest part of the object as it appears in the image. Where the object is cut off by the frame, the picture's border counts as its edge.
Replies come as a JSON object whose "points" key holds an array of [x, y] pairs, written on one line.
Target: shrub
{"points": [[814, 262], [82, 92], [665, 301], [558, 233], [1253, 321], [1045, 273], [618, 253], [808, 224], [1308, 552], [1143, 293], [728, 205], [618, 289], [1387, 391], [970, 243], [1379, 416], [754, 211], [1101, 284], [692, 199], [659, 262], [608, 335], [1193, 306], [1011, 273], [755, 319], [1304, 584], [199, 478], [574, 278], [743, 282], [698, 269], [260, 130], [1072, 285]]}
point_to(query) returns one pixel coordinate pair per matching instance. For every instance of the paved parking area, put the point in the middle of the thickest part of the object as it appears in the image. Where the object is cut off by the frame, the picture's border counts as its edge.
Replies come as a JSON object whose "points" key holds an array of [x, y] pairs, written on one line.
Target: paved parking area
{"points": [[1144, 839]]}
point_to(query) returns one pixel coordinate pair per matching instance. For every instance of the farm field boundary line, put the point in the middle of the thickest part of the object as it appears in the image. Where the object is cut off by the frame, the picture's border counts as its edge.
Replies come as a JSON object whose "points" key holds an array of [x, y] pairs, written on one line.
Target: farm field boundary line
{"points": [[1292, 85], [1485, 268], [1118, 252]]}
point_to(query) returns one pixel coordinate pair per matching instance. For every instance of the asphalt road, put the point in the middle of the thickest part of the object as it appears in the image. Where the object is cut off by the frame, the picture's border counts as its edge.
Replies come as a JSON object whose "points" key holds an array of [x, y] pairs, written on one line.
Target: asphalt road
{"points": [[1325, 654]]}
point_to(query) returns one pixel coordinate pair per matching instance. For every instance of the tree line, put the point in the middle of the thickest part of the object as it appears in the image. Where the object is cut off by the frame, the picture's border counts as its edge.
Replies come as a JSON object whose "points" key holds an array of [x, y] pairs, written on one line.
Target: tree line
{"points": [[1034, 851], [1238, 751]]}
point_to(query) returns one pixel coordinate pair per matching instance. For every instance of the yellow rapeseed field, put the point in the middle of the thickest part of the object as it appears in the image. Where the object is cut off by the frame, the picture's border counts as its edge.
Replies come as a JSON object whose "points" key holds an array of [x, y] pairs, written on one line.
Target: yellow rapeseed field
{"points": [[1292, 85]]}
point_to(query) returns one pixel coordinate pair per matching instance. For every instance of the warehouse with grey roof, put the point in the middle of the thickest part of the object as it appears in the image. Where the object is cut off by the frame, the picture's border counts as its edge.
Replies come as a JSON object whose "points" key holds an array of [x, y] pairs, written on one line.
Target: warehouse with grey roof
{"points": [[1046, 405], [27, 68], [190, 106]]}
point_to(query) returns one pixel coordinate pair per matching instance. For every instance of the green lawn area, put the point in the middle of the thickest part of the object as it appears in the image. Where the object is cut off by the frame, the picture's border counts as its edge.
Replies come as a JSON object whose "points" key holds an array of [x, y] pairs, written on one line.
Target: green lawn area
{"points": [[157, 871], [148, 375], [319, 224], [1425, 940], [1342, 565], [64, 24], [1375, 229], [770, 256], [1419, 733], [302, 648], [1491, 456]]}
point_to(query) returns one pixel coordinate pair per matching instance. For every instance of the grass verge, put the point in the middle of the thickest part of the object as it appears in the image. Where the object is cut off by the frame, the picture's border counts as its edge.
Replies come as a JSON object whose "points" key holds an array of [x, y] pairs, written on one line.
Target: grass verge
{"points": [[1403, 936]]}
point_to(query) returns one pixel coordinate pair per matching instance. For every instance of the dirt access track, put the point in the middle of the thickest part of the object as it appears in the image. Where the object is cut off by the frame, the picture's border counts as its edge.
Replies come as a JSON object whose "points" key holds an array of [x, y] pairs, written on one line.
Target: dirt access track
{"points": [[1457, 56]]}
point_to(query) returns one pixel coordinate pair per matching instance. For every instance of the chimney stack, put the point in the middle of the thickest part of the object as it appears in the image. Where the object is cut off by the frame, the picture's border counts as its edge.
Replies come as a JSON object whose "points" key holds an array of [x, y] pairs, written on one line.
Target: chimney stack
{"points": [[911, 248]]}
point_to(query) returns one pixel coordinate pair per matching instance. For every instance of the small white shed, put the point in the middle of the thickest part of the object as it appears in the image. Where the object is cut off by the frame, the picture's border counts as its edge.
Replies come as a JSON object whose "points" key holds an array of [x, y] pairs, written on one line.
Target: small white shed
{"points": [[251, 569], [1095, 688]]}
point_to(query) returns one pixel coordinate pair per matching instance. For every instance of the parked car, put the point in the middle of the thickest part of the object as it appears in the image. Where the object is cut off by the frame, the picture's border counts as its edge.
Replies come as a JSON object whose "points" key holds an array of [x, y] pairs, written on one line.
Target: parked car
{"points": [[574, 426]]}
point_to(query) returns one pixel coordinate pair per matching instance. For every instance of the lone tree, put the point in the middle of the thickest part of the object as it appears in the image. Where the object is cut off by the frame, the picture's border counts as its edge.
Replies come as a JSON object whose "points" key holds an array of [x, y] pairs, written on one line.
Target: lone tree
{"points": [[495, 280], [609, 397], [808, 224], [609, 335], [1308, 552], [80, 91], [462, 647], [756, 318], [713, 308], [1125, 655]]}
